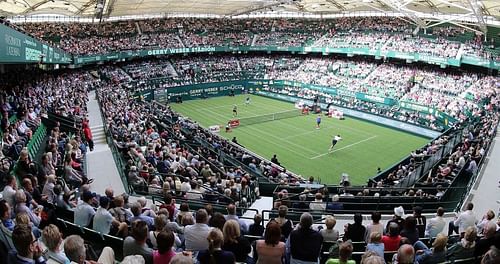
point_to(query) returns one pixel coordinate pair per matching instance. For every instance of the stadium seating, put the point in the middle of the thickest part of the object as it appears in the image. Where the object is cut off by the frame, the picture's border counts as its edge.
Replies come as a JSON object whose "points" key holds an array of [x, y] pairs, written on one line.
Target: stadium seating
{"points": [[146, 135], [388, 34]]}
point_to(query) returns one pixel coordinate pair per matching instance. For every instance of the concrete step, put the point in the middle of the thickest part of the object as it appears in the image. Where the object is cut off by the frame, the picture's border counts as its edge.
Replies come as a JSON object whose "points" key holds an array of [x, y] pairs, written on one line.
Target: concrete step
{"points": [[95, 138], [100, 132], [97, 128], [100, 140], [99, 136]]}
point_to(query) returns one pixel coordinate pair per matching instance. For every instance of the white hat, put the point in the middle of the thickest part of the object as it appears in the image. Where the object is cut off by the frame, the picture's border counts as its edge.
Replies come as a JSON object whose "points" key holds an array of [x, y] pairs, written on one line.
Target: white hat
{"points": [[399, 211]]}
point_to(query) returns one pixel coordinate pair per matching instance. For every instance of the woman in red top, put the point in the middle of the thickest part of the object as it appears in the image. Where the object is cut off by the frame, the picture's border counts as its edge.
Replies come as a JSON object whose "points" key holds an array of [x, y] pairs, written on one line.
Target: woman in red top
{"points": [[88, 134]]}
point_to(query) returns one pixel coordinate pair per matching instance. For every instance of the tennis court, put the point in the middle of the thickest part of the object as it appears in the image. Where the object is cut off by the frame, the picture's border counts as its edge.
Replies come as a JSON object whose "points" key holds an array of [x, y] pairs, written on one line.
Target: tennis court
{"points": [[302, 148]]}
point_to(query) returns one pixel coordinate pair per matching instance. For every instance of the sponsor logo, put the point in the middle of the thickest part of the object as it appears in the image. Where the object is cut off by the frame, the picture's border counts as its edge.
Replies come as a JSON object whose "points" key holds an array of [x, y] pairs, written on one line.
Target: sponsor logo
{"points": [[32, 54], [30, 42], [12, 41], [180, 50]]}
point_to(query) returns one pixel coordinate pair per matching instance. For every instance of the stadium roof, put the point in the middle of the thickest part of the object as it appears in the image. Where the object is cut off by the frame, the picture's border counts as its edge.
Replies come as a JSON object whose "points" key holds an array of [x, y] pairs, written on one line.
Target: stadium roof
{"points": [[479, 11]]}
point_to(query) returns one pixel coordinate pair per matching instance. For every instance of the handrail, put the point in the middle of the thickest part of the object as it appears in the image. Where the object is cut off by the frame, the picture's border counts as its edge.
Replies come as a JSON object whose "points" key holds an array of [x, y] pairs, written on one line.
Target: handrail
{"points": [[164, 175], [240, 211]]}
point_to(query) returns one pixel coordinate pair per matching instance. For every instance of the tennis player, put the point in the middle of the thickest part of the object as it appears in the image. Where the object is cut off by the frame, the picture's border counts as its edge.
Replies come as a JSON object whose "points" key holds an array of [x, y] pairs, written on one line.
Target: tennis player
{"points": [[247, 100], [318, 121], [335, 139], [235, 110]]}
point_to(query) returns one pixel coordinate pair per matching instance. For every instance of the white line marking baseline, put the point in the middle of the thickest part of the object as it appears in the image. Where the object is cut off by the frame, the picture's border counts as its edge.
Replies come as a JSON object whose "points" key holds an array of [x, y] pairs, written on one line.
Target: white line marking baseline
{"points": [[348, 146]]}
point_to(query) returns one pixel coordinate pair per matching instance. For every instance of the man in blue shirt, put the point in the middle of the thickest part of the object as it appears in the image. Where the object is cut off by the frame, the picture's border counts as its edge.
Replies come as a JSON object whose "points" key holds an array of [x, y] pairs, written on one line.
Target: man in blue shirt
{"points": [[231, 214], [136, 209], [318, 121], [84, 211], [103, 218]]}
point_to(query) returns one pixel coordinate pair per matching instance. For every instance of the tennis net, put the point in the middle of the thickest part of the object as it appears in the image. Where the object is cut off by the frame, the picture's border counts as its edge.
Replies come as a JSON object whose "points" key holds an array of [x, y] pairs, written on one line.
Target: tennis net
{"points": [[269, 117]]}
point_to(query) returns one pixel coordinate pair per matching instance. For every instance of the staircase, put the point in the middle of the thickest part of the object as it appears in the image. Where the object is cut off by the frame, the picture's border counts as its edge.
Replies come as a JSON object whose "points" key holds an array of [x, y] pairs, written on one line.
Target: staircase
{"points": [[98, 134], [180, 41], [254, 39], [139, 31], [100, 163]]}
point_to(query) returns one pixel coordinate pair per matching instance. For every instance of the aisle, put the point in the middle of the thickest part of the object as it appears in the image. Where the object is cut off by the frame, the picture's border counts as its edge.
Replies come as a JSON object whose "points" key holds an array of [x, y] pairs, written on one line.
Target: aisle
{"points": [[100, 163], [485, 194]]}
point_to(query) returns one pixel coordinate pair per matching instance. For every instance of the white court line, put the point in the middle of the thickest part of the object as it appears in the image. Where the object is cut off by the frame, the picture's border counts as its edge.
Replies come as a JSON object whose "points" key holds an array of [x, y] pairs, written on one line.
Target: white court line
{"points": [[272, 136], [220, 106], [223, 106], [348, 146], [309, 132]]}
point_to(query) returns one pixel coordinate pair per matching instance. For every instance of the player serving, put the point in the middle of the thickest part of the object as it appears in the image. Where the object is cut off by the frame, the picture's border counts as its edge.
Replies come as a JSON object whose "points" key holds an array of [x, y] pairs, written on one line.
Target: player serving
{"points": [[247, 100], [335, 139]]}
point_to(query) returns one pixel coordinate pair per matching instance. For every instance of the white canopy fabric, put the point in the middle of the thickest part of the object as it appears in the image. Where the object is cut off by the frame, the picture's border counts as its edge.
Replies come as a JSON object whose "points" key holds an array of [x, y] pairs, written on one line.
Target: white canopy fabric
{"points": [[117, 8]]}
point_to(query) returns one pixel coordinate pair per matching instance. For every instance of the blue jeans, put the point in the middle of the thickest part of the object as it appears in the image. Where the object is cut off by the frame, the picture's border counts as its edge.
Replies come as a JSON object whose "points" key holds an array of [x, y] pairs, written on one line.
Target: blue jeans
{"points": [[419, 245]]}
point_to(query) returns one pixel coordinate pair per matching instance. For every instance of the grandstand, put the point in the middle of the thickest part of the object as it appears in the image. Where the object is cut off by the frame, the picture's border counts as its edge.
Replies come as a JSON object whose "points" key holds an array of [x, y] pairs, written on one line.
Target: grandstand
{"points": [[133, 130]]}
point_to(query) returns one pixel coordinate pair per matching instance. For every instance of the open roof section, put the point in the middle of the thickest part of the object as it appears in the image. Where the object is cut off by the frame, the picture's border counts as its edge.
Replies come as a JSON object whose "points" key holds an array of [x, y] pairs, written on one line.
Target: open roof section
{"points": [[478, 12]]}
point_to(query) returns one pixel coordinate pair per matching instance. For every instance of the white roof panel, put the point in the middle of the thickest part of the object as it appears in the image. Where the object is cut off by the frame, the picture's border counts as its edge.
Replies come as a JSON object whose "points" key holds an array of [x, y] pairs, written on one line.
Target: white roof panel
{"points": [[115, 8]]}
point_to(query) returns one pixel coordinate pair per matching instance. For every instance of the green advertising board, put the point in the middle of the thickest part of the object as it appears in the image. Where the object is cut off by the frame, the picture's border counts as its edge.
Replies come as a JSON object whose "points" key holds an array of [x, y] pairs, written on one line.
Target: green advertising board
{"points": [[446, 119], [335, 91], [479, 62], [202, 90], [17, 47], [385, 121], [206, 90], [147, 95]]}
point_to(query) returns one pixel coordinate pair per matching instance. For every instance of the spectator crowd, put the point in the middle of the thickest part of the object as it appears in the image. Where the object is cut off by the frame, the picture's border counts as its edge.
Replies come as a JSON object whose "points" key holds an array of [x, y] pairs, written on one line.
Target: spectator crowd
{"points": [[152, 140], [383, 33]]}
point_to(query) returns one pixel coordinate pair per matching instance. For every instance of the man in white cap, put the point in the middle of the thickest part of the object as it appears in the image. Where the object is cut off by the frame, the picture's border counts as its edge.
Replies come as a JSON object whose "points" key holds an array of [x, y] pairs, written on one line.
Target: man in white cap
{"points": [[398, 218]]}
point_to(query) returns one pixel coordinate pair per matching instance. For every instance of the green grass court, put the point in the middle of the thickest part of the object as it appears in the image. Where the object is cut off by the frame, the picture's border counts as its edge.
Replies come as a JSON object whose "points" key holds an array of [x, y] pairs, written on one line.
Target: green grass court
{"points": [[302, 148]]}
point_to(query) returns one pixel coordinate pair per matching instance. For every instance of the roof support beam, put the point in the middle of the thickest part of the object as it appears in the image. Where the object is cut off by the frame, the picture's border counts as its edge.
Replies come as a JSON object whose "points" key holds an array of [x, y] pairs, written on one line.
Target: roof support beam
{"points": [[432, 6], [405, 3], [382, 4], [448, 20], [253, 9], [85, 6], [455, 5], [454, 22], [468, 28], [477, 10], [398, 6], [34, 7], [109, 8], [336, 4]]}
